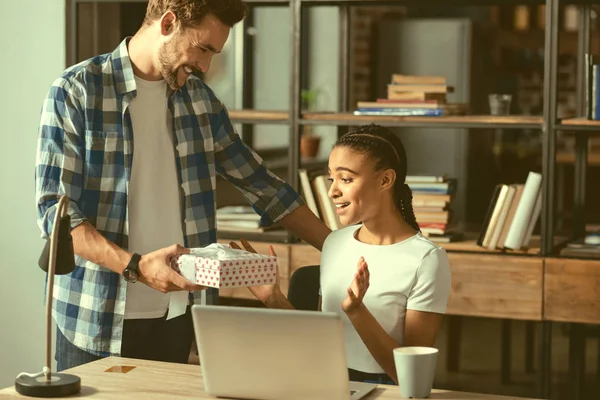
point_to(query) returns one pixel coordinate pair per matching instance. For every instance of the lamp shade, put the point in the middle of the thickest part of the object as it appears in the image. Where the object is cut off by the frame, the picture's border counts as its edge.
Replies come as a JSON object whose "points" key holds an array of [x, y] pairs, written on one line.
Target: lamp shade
{"points": [[65, 257]]}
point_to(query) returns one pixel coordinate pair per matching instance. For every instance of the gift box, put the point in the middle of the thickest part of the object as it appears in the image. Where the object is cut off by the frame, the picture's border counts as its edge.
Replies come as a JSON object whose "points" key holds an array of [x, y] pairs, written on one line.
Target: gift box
{"points": [[221, 266]]}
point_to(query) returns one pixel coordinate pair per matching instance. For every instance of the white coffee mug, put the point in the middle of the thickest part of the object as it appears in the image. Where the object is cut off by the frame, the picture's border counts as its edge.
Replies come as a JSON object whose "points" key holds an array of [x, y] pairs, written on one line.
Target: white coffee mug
{"points": [[415, 369]]}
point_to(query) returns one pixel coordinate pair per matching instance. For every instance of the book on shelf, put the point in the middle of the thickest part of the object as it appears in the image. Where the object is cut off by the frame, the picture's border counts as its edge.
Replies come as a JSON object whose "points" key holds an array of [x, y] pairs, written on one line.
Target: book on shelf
{"points": [[401, 112], [314, 187], [595, 92], [307, 192], [450, 237], [413, 95], [425, 178], [401, 79], [379, 105], [512, 215], [592, 88], [241, 218], [582, 248], [394, 88]]}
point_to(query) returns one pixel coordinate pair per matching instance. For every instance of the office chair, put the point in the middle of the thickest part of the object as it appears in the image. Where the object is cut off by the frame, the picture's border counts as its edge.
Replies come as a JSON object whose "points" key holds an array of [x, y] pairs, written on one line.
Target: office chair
{"points": [[303, 291]]}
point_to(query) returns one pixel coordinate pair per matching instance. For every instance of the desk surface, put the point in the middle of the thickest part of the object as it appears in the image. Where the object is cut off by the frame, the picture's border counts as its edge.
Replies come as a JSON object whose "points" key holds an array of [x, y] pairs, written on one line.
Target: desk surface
{"points": [[156, 380]]}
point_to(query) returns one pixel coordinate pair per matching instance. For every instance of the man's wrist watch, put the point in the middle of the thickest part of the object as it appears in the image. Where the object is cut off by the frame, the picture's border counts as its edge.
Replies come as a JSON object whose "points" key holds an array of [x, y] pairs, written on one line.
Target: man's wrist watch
{"points": [[131, 273]]}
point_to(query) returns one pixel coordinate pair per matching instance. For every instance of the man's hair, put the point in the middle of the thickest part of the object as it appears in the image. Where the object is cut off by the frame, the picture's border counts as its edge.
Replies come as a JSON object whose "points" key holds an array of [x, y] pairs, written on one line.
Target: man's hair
{"points": [[191, 12]]}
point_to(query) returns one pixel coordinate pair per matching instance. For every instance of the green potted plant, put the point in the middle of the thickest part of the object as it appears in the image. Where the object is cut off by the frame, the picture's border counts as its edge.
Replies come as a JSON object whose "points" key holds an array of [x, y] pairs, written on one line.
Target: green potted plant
{"points": [[309, 142]]}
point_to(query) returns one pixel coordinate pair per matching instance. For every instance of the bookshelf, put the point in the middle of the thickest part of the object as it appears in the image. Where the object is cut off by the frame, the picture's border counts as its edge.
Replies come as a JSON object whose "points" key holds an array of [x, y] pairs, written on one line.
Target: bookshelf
{"points": [[526, 299]]}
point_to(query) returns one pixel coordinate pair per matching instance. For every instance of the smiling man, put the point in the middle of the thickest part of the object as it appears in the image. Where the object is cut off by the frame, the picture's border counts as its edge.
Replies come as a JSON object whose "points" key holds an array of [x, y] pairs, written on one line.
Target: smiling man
{"points": [[135, 141]]}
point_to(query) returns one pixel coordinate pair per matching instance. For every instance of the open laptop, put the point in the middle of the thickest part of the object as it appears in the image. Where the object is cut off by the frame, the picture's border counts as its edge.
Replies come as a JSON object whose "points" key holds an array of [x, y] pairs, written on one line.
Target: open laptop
{"points": [[256, 353]]}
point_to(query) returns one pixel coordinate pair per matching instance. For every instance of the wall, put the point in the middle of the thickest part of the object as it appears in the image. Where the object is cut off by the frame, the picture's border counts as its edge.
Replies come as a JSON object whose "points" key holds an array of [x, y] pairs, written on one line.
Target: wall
{"points": [[272, 69], [323, 69], [33, 53], [272, 72]]}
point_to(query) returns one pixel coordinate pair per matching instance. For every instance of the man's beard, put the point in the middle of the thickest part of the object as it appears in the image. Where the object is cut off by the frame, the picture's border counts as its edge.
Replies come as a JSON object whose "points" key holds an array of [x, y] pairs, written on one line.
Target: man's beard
{"points": [[167, 58]]}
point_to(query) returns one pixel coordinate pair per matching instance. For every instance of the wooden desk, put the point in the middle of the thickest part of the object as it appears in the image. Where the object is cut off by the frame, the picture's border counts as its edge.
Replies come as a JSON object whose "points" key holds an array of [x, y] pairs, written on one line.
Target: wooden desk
{"points": [[156, 380]]}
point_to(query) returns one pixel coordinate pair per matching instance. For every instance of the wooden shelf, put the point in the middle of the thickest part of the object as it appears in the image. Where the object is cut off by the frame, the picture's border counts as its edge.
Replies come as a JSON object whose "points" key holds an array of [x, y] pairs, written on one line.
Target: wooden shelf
{"points": [[335, 118], [591, 127], [567, 157], [496, 286], [572, 290], [258, 116], [456, 121], [470, 246], [581, 121]]}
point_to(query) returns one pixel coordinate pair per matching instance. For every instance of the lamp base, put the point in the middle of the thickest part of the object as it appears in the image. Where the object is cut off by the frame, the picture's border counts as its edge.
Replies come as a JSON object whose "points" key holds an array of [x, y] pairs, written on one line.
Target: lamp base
{"points": [[60, 385]]}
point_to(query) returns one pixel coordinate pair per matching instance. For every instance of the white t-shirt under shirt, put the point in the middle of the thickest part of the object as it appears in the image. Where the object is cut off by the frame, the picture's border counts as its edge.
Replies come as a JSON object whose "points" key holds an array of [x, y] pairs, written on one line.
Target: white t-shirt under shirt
{"points": [[413, 274], [154, 203]]}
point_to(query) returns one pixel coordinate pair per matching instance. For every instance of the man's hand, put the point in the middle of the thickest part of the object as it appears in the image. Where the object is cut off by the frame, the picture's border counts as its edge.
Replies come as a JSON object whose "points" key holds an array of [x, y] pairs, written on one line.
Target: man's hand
{"points": [[156, 272]]}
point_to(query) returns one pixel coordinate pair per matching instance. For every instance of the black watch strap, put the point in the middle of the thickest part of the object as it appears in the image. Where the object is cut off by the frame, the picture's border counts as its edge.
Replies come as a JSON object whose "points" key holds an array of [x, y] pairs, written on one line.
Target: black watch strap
{"points": [[132, 272]]}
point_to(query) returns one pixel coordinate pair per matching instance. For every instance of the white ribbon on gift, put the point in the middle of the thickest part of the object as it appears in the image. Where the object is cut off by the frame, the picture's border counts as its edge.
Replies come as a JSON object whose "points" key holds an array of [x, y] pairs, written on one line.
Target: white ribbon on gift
{"points": [[179, 300], [215, 250]]}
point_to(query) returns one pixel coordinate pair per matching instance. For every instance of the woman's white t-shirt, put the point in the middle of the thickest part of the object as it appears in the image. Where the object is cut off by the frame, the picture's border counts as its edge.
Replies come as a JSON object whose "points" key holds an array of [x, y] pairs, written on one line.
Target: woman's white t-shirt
{"points": [[410, 275]]}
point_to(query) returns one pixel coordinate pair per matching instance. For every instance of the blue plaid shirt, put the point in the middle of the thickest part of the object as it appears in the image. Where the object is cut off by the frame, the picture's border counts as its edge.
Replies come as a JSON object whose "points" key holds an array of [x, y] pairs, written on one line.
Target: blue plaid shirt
{"points": [[85, 152]]}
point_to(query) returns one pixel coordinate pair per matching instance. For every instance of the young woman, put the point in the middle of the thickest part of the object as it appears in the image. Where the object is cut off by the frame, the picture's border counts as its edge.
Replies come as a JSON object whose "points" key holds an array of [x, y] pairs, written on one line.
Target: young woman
{"points": [[389, 282]]}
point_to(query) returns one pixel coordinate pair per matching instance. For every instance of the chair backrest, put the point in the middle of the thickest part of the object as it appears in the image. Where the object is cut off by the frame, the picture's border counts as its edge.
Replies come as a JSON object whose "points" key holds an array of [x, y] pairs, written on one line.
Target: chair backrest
{"points": [[303, 291]]}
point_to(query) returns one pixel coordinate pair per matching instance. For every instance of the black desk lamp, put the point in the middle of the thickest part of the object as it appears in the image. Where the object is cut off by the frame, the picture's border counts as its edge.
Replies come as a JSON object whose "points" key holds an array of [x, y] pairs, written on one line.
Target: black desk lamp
{"points": [[57, 258]]}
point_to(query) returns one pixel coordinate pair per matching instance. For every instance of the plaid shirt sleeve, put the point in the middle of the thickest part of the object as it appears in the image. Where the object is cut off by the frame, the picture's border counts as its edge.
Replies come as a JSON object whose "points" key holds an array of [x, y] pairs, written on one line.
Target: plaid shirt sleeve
{"points": [[59, 163], [270, 196]]}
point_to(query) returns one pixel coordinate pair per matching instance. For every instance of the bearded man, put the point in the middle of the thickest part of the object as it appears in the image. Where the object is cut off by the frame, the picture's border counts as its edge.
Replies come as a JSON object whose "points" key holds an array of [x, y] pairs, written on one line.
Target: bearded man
{"points": [[135, 141]]}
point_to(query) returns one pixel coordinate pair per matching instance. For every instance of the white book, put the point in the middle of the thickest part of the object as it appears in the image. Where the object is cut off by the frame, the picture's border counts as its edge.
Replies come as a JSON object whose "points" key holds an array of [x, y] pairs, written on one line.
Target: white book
{"points": [[520, 223], [534, 218], [425, 178], [330, 217], [307, 191], [510, 193]]}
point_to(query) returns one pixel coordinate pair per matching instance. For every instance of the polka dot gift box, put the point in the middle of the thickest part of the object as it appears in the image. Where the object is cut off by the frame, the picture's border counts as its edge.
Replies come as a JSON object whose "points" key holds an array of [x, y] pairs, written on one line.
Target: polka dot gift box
{"points": [[221, 266]]}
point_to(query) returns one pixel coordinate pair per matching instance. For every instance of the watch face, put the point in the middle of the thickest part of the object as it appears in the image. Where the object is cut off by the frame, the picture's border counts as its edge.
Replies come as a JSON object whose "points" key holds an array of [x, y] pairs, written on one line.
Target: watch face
{"points": [[130, 275]]}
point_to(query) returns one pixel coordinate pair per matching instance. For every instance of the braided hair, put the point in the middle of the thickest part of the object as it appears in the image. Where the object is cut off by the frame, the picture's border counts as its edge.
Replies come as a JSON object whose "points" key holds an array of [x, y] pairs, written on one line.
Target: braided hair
{"points": [[386, 149]]}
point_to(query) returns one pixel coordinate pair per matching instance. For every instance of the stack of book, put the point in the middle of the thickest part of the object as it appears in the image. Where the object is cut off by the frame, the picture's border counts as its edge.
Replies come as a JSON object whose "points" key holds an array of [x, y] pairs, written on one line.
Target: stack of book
{"points": [[585, 247], [414, 95], [241, 219], [512, 215], [432, 197]]}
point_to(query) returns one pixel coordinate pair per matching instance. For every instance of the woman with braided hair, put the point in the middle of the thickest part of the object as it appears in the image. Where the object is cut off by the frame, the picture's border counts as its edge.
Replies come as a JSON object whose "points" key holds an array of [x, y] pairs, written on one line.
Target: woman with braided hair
{"points": [[389, 282]]}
